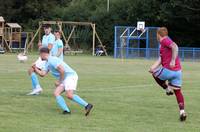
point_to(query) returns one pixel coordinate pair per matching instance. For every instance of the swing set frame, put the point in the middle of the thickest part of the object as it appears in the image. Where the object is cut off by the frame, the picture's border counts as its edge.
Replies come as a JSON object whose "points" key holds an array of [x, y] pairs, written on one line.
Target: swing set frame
{"points": [[68, 38]]}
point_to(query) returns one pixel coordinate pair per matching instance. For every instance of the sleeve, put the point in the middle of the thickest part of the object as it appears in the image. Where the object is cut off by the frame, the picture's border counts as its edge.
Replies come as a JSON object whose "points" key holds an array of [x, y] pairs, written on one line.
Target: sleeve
{"points": [[56, 62], [167, 42], [60, 44], [46, 67], [51, 39]]}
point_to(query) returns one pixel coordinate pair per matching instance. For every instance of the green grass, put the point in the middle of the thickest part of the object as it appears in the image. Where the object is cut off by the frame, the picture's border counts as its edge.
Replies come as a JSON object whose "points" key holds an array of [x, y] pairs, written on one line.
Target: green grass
{"points": [[125, 97]]}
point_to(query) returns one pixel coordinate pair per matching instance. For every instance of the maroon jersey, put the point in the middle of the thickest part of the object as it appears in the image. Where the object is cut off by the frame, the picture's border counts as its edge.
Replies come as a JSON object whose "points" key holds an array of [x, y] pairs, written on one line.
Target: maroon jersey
{"points": [[166, 55]]}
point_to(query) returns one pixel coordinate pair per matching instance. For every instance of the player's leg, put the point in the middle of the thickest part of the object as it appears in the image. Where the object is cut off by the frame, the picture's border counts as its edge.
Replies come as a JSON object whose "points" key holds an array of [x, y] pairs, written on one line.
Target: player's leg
{"points": [[160, 82], [175, 84], [34, 78], [180, 101], [161, 76], [70, 95], [60, 100], [70, 85], [36, 88]]}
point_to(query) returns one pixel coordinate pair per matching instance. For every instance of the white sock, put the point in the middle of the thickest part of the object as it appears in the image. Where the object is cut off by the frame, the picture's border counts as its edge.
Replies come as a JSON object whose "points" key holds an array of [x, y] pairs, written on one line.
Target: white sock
{"points": [[38, 87], [182, 111], [168, 89]]}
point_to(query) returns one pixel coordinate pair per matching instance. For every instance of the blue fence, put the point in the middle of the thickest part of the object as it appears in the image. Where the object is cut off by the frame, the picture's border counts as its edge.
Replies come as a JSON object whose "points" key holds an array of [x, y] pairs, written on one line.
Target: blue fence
{"points": [[185, 53], [146, 46]]}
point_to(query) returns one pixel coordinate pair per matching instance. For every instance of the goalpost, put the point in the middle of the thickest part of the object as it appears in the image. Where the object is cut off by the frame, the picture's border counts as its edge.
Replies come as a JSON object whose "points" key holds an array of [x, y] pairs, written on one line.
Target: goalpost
{"points": [[69, 29], [135, 41]]}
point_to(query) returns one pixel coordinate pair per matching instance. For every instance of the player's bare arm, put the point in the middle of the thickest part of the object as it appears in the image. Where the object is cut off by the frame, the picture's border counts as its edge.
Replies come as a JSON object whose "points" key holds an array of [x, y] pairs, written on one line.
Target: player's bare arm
{"points": [[61, 70], [155, 65], [39, 44], [60, 50], [174, 54], [39, 72]]}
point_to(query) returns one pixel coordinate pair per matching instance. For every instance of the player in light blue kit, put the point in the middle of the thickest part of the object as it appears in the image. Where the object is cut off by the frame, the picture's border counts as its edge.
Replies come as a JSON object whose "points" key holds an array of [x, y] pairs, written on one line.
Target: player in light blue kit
{"points": [[57, 49], [66, 81], [47, 41]]}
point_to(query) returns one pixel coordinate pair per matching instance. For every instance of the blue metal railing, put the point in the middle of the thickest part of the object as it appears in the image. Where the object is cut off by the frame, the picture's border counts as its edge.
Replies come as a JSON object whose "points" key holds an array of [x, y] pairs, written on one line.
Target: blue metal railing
{"points": [[184, 53], [131, 47]]}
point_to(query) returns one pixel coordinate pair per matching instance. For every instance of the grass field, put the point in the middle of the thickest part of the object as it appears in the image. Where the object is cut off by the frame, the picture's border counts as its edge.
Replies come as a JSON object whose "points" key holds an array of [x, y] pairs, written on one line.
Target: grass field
{"points": [[125, 97]]}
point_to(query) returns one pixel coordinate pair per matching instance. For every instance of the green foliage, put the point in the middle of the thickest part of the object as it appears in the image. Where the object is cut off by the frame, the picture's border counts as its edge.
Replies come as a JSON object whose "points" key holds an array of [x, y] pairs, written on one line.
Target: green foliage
{"points": [[180, 16]]}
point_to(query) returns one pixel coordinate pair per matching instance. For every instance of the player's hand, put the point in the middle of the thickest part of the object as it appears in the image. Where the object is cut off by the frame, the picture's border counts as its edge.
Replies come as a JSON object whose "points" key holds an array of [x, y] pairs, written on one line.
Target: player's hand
{"points": [[151, 70], [172, 64], [34, 66], [58, 83]]}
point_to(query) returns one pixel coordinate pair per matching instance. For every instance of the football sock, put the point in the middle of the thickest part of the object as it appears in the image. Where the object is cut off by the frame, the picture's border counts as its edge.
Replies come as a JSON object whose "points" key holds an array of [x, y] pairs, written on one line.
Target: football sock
{"points": [[179, 98], [79, 100], [168, 89], [35, 81], [61, 102], [161, 82]]}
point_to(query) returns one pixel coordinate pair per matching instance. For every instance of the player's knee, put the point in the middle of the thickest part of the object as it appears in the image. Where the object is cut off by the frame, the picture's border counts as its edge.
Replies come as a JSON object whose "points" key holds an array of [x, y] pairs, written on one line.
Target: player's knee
{"points": [[69, 95], [162, 83]]}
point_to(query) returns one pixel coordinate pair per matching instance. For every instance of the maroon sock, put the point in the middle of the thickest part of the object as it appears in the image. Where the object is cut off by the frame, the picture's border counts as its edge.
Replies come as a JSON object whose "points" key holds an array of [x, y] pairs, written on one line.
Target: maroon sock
{"points": [[179, 98], [160, 82]]}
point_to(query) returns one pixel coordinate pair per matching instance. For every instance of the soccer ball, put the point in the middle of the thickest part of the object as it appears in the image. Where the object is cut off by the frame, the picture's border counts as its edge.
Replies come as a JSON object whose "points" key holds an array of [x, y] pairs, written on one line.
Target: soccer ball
{"points": [[22, 58]]}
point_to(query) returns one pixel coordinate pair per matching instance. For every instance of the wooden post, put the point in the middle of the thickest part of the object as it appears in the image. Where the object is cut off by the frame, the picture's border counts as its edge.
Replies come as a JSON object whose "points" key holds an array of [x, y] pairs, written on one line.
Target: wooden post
{"points": [[63, 35], [31, 36], [6, 38], [30, 43], [70, 35], [27, 38], [3, 40], [2, 34], [101, 44], [20, 38], [93, 39], [93, 47], [11, 36], [7, 45], [39, 33]]}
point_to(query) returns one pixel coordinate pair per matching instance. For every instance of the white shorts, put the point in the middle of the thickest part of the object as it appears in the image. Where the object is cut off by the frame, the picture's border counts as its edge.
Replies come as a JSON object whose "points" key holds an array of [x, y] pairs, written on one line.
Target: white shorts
{"points": [[39, 63], [70, 82]]}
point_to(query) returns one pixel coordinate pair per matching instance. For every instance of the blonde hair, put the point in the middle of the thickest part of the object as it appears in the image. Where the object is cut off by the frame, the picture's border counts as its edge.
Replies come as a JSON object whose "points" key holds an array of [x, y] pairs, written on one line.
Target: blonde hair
{"points": [[162, 31]]}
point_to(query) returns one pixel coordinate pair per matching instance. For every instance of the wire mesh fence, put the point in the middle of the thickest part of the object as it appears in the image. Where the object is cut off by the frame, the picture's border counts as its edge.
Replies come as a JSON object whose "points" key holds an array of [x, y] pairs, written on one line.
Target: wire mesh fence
{"points": [[128, 46]]}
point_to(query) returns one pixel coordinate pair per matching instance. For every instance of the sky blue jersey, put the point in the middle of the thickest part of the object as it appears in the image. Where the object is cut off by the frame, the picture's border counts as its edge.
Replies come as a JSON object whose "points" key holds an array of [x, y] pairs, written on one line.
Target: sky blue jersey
{"points": [[46, 39], [52, 65], [57, 44]]}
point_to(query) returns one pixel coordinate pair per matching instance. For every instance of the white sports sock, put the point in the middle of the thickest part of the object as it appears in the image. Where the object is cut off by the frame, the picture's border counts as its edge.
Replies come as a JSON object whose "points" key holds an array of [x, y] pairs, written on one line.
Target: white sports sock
{"points": [[38, 87], [182, 111], [168, 90]]}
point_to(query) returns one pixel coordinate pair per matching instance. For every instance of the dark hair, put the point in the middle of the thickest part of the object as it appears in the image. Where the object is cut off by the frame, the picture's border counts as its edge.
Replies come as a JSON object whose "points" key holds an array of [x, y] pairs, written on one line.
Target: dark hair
{"points": [[46, 25], [44, 50], [57, 31]]}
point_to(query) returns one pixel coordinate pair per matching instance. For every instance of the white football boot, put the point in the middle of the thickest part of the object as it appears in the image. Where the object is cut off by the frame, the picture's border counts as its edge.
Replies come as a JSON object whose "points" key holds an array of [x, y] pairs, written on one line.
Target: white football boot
{"points": [[35, 91]]}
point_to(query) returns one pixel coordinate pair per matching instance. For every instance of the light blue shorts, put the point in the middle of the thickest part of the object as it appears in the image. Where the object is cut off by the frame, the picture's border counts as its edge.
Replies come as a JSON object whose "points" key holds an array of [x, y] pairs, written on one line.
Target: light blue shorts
{"points": [[174, 78]]}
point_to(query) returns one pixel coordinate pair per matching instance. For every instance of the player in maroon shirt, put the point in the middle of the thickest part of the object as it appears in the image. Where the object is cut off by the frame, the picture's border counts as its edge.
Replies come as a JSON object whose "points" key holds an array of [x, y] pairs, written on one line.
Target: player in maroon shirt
{"points": [[167, 69]]}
